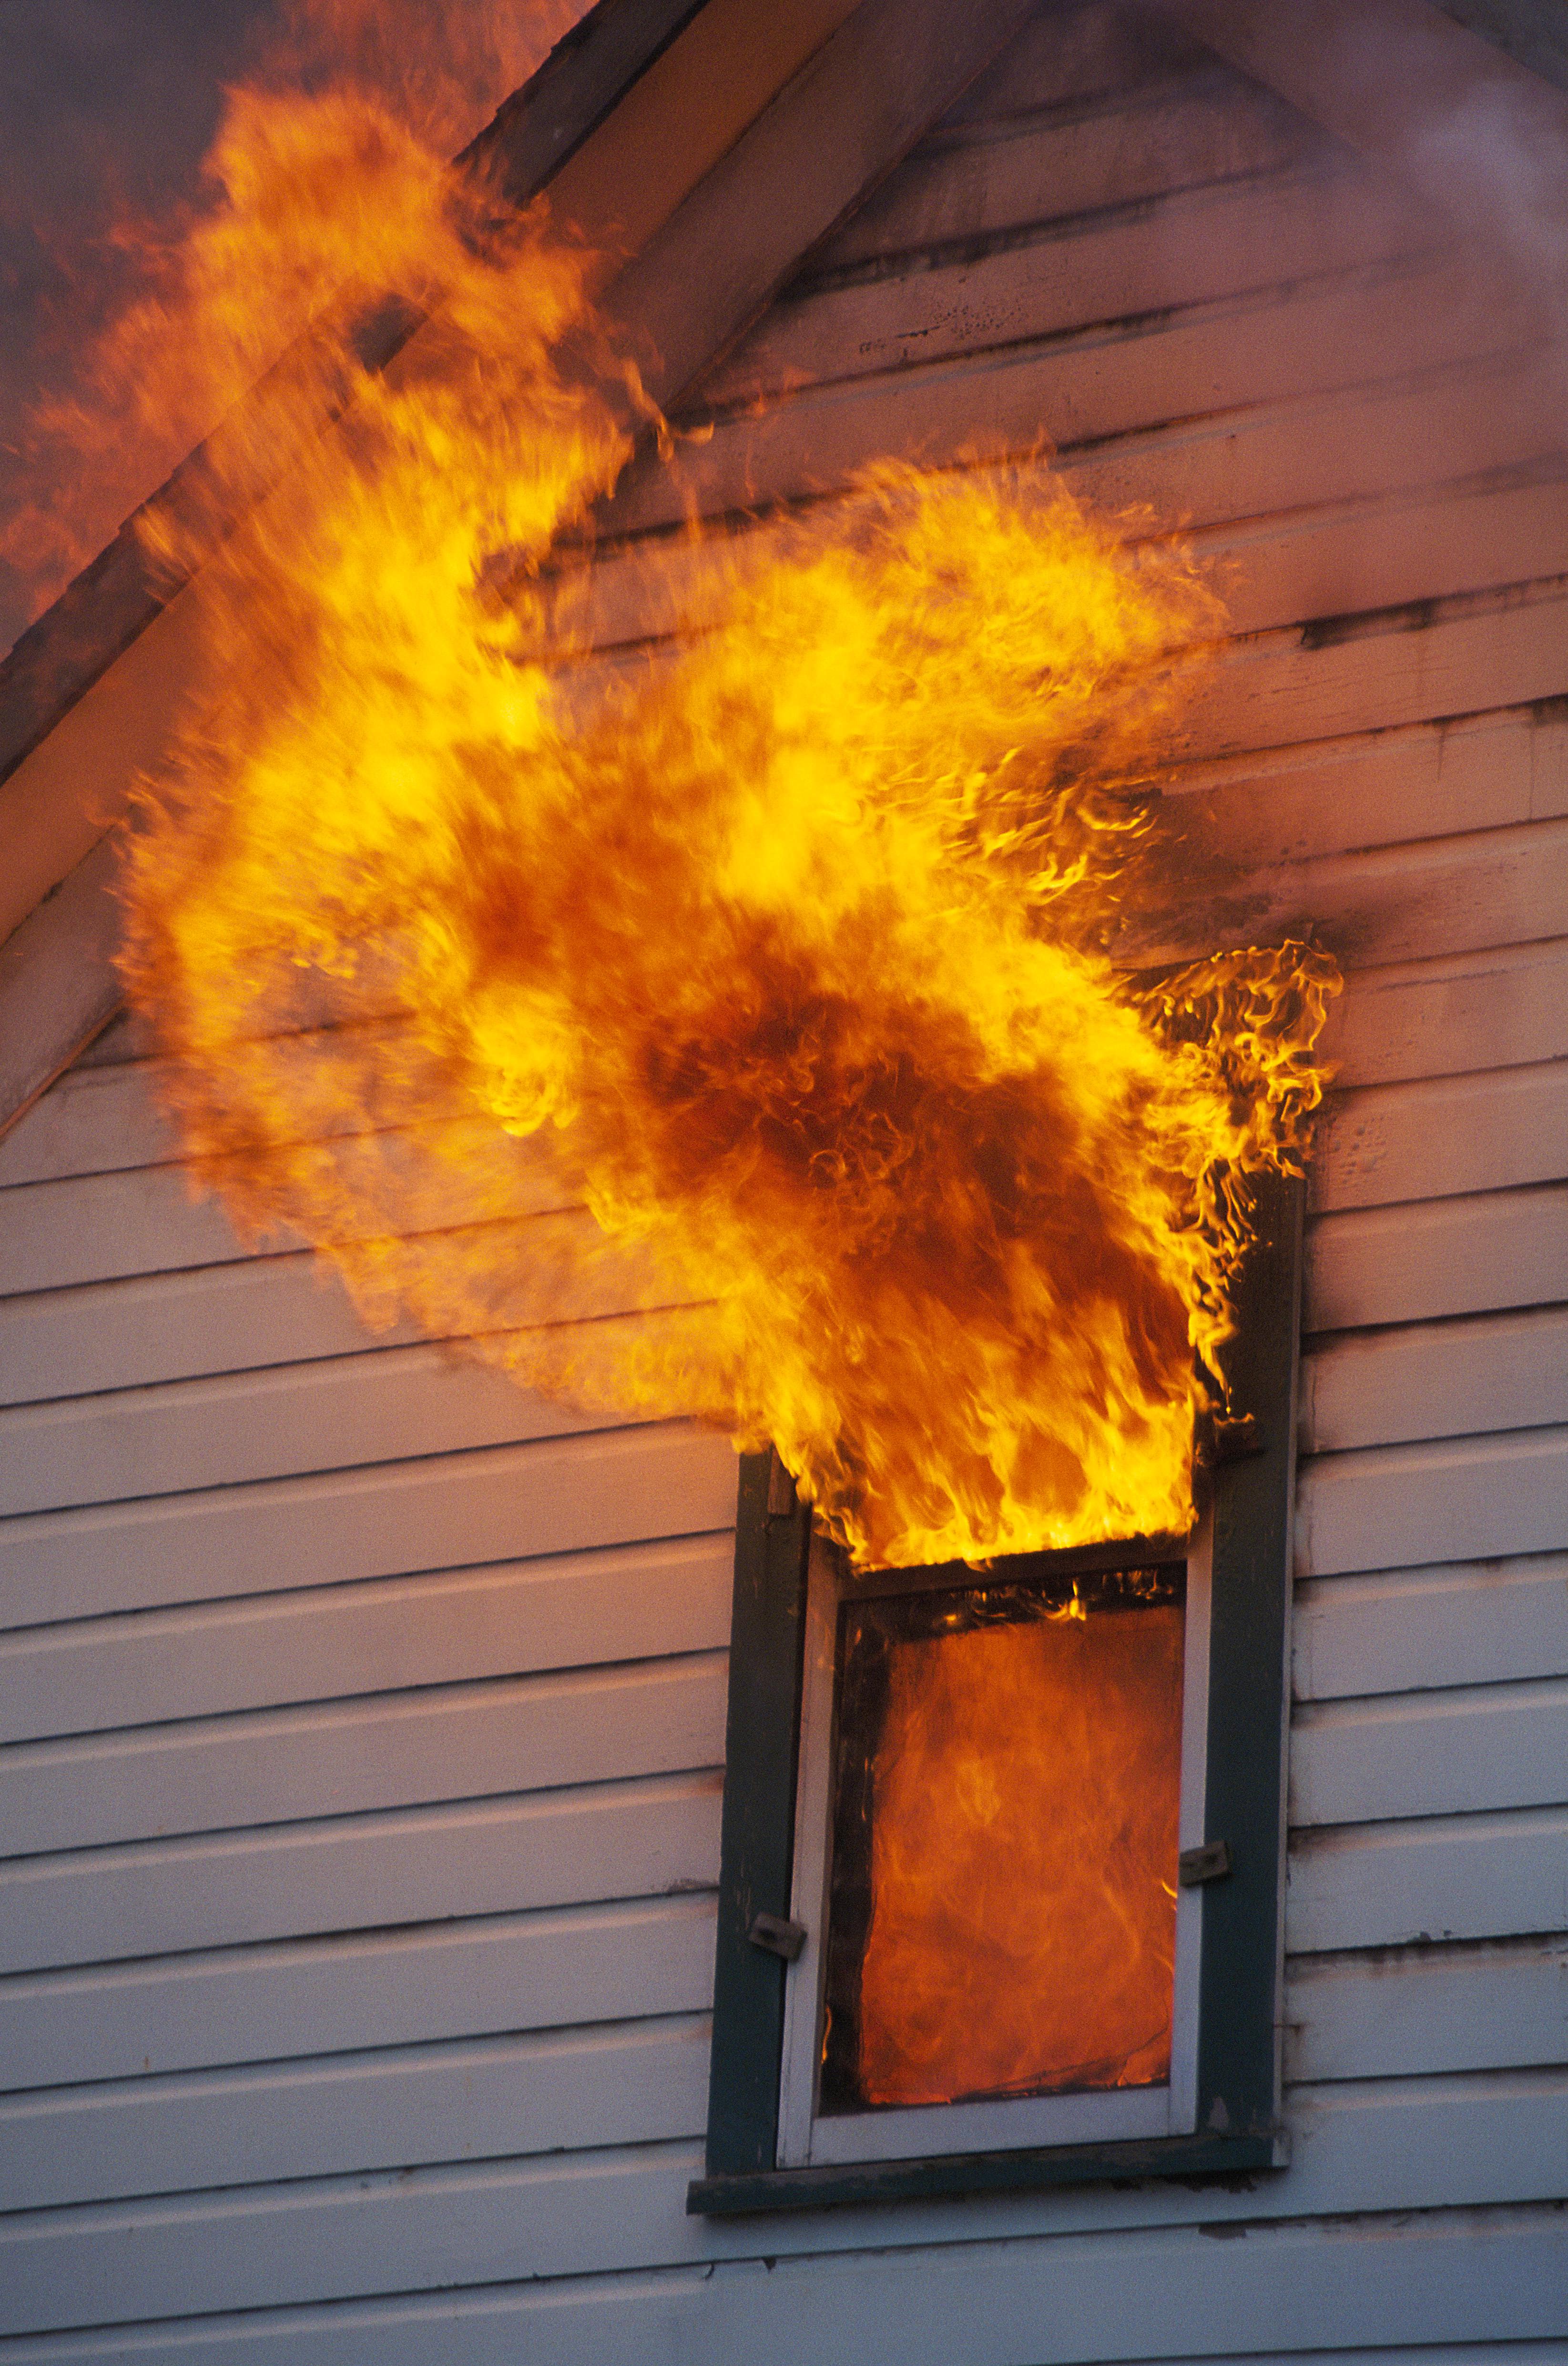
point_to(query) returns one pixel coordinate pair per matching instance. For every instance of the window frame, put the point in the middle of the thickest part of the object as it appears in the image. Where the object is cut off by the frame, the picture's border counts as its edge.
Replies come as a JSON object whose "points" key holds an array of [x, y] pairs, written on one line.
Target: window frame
{"points": [[807, 2137], [1237, 2126]]}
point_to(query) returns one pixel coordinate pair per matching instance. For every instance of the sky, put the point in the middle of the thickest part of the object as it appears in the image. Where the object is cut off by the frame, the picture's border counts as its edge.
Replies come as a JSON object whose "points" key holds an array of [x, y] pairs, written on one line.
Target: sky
{"points": [[106, 107]]}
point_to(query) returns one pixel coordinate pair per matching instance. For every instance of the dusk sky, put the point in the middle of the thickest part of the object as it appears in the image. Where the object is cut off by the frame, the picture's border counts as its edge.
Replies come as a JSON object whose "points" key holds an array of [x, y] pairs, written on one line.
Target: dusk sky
{"points": [[106, 109]]}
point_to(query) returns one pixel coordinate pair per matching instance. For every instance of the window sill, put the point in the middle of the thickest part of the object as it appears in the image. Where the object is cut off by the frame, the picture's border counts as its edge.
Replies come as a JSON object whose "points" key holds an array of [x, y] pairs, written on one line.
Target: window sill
{"points": [[994, 2172]]}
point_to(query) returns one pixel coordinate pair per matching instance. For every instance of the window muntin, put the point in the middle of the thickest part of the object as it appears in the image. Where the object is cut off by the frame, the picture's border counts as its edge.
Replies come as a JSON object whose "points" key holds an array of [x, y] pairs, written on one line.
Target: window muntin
{"points": [[942, 1713]]}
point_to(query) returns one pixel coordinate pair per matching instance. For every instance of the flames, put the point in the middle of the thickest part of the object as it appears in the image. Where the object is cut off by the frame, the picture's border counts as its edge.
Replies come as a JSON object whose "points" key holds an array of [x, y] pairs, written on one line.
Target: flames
{"points": [[1022, 1932], [326, 181], [755, 976]]}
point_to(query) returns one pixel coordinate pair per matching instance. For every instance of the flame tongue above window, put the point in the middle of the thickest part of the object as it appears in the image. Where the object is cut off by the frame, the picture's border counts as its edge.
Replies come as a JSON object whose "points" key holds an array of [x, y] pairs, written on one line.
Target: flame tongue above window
{"points": [[778, 950], [1006, 1841]]}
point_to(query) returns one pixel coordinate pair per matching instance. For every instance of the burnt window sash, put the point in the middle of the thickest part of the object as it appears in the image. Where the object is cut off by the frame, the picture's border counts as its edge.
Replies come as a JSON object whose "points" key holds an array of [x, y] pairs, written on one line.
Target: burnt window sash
{"points": [[1238, 2046]]}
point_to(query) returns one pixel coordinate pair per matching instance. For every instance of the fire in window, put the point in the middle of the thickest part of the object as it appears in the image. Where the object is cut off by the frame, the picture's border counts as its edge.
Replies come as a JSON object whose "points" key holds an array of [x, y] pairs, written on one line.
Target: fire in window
{"points": [[987, 1844], [1002, 1883]]}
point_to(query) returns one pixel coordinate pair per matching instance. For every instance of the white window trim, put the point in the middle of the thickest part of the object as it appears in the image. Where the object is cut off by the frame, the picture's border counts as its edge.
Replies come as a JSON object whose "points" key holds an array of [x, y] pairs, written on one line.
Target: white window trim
{"points": [[927, 2130]]}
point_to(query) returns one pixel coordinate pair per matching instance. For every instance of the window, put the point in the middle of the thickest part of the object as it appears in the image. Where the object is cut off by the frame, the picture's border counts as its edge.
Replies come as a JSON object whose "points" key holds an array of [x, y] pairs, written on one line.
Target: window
{"points": [[1002, 1866]]}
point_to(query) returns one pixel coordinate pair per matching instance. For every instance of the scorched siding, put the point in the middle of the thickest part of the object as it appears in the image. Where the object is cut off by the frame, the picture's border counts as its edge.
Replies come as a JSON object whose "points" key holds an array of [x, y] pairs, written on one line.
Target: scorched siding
{"points": [[364, 1715]]}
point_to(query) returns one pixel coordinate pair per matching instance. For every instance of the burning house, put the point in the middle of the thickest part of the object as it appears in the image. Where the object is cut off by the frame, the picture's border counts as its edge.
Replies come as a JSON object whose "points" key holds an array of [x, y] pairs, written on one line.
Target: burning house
{"points": [[782, 1221]]}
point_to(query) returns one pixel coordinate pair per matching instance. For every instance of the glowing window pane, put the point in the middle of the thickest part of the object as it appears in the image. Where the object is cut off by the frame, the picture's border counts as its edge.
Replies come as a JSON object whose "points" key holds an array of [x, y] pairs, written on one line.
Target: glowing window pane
{"points": [[1003, 1891]]}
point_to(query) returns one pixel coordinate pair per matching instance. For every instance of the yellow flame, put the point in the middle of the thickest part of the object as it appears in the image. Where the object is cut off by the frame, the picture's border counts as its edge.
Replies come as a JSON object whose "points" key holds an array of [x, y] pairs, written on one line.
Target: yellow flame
{"points": [[779, 948], [327, 176]]}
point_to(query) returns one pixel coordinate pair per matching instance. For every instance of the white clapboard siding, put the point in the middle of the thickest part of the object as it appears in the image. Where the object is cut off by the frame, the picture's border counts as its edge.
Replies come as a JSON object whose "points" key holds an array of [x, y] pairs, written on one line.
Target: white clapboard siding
{"points": [[87, 1339], [1387, 554], [1496, 888], [1197, 127], [1405, 1630], [95, 1227], [1487, 649], [90, 1121], [1078, 389], [1270, 472], [1438, 1754], [1078, 57], [341, 1411], [1428, 780], [360, 1719], [439, 1741], [463, 1977], [92, 1228], [1426, 2010], [1466, 1499], [108, 1112], [1264, 474], [375, 1405], [615, 1486], [1501, 1007], [175, 1326], [322, 1643], [1436, 1380], [1480, 1877], [343, 1872], [1346, 2017], [612, 2212], [1486, 1131], [1383, 2278], [1415, 1261], [1095, 395], [463, 2100], [1219, 241], [1337, 548]]}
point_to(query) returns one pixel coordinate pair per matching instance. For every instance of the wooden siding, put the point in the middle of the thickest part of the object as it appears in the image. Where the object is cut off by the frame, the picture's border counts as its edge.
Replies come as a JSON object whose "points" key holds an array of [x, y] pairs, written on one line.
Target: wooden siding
{"points": [[363, 1716]]}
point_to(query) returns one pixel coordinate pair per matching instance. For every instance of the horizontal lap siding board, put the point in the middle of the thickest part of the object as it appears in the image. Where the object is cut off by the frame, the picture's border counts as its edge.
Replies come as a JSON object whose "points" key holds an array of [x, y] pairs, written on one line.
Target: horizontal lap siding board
{"points": [[1448, 2290], [1453, 1499], [1437, 1753], [1347, 2017], [1501, 1371], [1227, 241], [361, 1715], [1186, 130], [182, 1325], [1455, 1623], [1428, 2145], [1393, 1884], [329, 1642], [552, 1496], [1149, 408], [611, 1839], [473, 1741], [1411, 1260], [334, 1997], [342, 1411], [483, 2098]]}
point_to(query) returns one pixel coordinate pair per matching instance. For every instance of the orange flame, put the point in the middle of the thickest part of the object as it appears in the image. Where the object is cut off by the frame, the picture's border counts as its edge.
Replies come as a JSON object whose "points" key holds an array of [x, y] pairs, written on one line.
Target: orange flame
{"points": [[327, 178], [780, 949], [1021, 1938]]}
